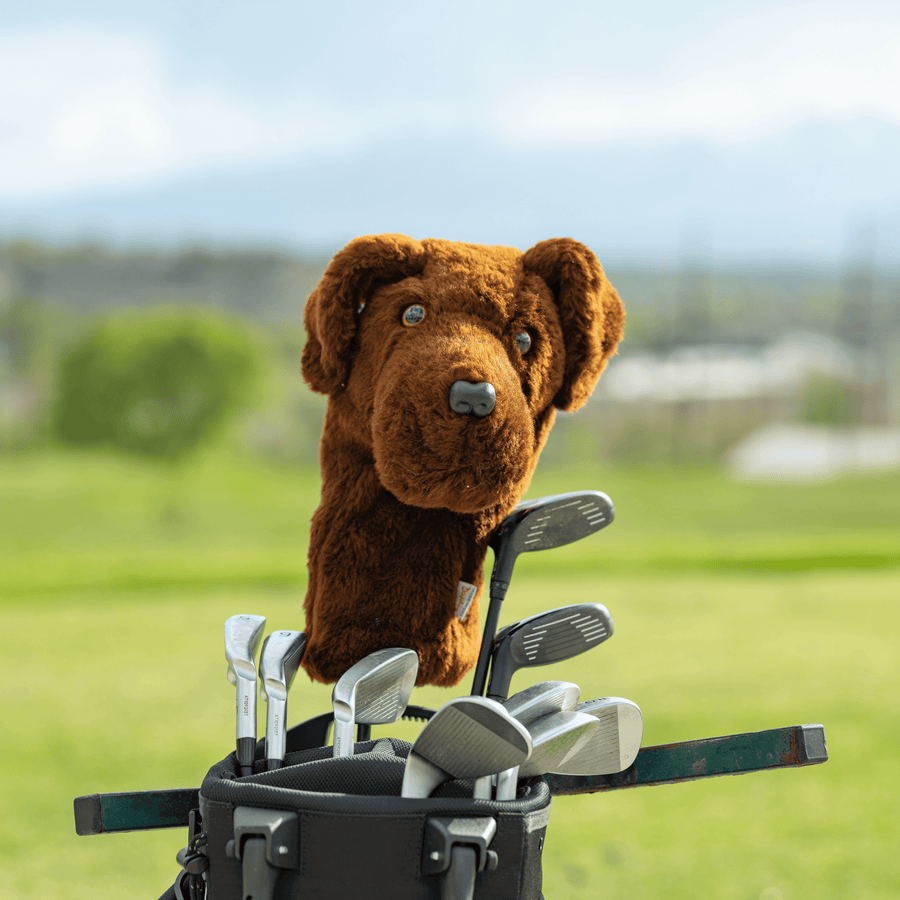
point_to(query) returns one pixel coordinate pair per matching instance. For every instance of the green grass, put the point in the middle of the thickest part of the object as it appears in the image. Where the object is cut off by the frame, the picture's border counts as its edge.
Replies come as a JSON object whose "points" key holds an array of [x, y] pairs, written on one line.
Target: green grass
{"points": [[737, 608]]}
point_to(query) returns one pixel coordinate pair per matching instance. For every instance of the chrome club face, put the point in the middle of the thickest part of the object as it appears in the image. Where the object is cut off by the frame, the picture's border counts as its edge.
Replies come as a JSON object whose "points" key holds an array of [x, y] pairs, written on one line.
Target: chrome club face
{"points": [[374, 691], [528, 706], [541, 700], [546, 638], [616, 743], [555, 738], [278, 664], [242, 636], [468, 737]]}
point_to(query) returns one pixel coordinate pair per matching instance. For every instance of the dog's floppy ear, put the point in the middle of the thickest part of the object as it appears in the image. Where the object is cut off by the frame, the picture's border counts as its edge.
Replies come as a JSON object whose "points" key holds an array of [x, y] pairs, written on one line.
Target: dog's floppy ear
{"points": [[333, 307], [590, 313]]}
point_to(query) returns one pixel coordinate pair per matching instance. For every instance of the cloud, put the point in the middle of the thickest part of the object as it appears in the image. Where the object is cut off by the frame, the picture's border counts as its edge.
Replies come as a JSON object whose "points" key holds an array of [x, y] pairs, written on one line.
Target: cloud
{"points": [[86, 108], [751, 76]]}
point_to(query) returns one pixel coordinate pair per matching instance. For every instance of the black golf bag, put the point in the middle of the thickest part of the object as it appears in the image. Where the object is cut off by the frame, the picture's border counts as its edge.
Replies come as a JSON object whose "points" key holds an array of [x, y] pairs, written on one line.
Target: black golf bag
{"points": [[337, 829]]}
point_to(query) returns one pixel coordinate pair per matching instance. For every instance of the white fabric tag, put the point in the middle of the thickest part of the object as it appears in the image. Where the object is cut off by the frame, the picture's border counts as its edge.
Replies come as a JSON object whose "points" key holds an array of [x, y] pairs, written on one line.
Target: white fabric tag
{"points": [[465, 594]]}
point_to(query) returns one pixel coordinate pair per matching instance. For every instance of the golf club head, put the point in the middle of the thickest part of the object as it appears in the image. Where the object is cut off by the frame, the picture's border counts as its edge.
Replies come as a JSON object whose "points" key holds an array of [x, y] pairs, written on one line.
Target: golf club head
{"points": [[555, 738], [279, 660], [547, 522], [535, 525], [542, 699], [616, 743], [546, 638], [468, 737], [242, 636], [374, 691]]}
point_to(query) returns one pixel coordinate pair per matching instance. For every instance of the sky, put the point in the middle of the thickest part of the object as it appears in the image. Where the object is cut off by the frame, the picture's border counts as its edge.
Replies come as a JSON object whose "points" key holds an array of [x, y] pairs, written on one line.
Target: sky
{"points": [[107, 96]]}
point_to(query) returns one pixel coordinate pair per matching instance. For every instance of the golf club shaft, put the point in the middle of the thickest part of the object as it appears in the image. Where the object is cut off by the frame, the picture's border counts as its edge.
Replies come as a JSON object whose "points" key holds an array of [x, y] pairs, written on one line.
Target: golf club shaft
{"points": [[498, 592], [507, 783]]}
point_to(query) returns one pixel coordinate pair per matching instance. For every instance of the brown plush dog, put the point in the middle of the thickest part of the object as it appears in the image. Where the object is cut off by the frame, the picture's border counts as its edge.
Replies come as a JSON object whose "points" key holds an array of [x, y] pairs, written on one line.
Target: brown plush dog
{"points": [[444, 364]]}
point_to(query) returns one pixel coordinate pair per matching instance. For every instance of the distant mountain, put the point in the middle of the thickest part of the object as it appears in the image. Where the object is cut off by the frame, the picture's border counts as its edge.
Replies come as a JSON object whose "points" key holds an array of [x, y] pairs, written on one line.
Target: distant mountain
{"points": [[796, 195]]}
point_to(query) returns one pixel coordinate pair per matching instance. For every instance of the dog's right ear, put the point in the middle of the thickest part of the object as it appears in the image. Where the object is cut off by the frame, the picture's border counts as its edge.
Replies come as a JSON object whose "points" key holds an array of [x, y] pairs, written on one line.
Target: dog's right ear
{"points": [[333, 307]]}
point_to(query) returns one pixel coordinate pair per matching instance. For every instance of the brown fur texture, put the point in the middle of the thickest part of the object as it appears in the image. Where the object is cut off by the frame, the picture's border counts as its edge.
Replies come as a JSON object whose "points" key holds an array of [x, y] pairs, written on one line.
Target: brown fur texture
{"points": [[411, 490]]}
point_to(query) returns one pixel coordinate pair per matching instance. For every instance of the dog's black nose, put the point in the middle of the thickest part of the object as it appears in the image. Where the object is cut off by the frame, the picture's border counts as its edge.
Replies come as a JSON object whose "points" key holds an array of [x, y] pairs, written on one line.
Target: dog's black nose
{"points": [[469, 399]]}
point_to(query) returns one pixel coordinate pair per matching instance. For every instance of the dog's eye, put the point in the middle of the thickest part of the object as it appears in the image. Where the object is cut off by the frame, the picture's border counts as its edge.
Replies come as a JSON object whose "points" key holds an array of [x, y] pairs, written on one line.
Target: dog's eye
{"points": [[414, 315], [523, 342]]}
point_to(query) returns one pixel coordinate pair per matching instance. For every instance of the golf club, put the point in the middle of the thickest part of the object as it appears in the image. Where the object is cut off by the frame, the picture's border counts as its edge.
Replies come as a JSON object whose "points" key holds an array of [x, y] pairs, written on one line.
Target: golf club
{"points": [[374, 691], [542, 699], [242, 635], [545, 638], [528, 706], [553, 738], [615, 745], [539, 524], [468, 737], [278, 664]]}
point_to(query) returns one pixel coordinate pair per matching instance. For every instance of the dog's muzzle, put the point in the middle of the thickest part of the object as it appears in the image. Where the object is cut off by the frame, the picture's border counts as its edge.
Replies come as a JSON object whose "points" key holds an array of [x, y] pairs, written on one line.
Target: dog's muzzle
{"points": [[469, 399]]}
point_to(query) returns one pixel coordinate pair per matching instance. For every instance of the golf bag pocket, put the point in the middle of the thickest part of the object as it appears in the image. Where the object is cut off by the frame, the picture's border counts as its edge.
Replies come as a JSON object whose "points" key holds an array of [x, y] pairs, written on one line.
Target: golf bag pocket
{"points": [[338, 829]]}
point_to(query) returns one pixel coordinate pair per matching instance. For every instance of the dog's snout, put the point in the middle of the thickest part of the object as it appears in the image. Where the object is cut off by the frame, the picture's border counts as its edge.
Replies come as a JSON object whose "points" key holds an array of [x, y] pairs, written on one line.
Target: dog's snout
{"points": [[469, 399]]}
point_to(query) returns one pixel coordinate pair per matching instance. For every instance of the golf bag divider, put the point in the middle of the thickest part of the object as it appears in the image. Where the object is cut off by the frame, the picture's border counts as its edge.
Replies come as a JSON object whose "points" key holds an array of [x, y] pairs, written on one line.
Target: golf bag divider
{"points": [[314, 732], [336, 828]]}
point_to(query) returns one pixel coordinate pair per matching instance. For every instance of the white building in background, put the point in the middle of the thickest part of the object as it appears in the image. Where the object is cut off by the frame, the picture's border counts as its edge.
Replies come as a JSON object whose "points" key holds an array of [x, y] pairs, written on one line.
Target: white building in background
{"points": [[790, 452], [725, 372], [765, 386]]}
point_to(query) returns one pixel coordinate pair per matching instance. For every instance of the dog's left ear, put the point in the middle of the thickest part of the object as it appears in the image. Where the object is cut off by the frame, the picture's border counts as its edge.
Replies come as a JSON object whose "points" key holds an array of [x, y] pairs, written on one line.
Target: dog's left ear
{"points": [[590, 312], [333, 307]]}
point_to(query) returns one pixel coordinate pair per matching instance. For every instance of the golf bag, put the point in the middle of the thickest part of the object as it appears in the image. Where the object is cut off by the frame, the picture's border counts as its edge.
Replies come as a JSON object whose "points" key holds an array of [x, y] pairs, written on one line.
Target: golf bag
{"points": [[336, 828]]}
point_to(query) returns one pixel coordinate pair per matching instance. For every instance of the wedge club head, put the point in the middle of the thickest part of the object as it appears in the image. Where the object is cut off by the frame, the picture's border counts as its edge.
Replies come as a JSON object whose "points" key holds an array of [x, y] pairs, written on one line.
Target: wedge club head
{"points": [[615, 745], [242, 636], [279, 660], [373, 691], [546, 638], [539, 524], [468, 737]]}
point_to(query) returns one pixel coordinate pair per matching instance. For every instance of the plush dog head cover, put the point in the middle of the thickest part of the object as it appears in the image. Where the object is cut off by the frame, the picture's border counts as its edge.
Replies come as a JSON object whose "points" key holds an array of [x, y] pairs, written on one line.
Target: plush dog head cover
{"points": [[396, 328]]}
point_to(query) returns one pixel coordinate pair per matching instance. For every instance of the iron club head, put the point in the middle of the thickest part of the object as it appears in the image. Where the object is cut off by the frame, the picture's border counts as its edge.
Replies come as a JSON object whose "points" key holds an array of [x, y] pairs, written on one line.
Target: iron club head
{"points": [[278, 664], [541, 700], [554, 738], [528, 706], [616, 743], [373, 691], [468, 737], [242, 636]]}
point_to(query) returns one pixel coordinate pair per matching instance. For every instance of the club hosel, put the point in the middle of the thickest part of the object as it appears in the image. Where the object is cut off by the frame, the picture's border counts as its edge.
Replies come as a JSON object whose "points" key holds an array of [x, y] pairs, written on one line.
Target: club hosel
{"points": [[276, 716], [246, 751], [344, 726], [501, 676], [246, 709], [498, 589]]}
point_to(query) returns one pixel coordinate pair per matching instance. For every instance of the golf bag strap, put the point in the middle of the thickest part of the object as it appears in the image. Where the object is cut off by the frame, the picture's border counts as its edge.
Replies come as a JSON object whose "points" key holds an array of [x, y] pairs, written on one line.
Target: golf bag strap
{"points": [[459, 881], [458, 848]]}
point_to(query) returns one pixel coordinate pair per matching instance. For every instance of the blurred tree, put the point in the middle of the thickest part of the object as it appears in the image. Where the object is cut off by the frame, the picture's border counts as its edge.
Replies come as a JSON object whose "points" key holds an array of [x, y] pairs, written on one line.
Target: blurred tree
{"points": [[827, 401], [24, 334], [155, 383]]}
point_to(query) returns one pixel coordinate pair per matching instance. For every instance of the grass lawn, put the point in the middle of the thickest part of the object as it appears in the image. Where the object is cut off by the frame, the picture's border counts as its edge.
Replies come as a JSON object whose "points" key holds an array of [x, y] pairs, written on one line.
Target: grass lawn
{"points": [[737, 608]]}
